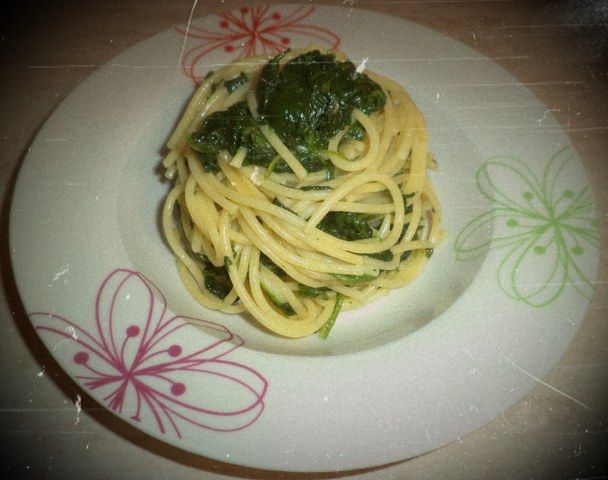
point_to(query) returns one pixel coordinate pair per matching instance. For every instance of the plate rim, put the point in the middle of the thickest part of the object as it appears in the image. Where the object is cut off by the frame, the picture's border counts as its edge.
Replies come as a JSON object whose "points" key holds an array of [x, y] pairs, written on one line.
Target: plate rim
{"points": [[344, 357]]}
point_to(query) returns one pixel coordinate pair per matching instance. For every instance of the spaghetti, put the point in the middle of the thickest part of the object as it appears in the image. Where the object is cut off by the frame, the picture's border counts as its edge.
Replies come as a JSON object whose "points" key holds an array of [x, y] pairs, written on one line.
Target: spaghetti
{"points": [[300, 189]]}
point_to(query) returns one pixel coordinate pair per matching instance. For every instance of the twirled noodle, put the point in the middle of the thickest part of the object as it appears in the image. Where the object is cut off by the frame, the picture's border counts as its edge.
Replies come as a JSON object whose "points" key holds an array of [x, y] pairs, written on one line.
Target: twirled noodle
{"points": [[242, 214]]}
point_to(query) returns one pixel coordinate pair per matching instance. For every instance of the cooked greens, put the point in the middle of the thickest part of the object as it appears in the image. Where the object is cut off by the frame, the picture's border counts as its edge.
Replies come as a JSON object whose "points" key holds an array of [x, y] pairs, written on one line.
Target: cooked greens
{"points": [[227, 130], [284, 306], [385, 255], [352, 279], [325, 329], [306, 102], [314, 94], [356, 132], [236, 82], [270, 265], [312, 292], [316, 188], [346, 225], [217, 280]]}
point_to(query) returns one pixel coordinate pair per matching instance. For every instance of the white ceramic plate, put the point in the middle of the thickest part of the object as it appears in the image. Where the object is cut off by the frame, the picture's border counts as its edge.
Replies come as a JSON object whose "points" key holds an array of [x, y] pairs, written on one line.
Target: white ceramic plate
{"points": [[494, 310]]}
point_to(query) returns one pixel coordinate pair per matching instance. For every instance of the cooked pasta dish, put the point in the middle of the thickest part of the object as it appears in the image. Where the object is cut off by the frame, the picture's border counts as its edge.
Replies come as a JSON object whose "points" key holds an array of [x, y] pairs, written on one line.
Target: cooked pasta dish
{"points": [[300, 189]]}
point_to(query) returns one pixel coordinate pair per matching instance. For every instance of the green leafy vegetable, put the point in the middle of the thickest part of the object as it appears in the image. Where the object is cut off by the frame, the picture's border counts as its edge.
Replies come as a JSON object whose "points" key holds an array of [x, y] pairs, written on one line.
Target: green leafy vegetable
{"points": [[272, 165], [385, 255], [217, 280], [316, 188], [236, 82], [356, 132], [408, 205], [306, 102], [285, 307], [405, 255], [227, 130], [325, 329], [259, 151], [270, 265], [352, 279], [269, 78], [315, 93], [313, 292], [220, 131], [346, 225], [403, 231], [310, 99]]}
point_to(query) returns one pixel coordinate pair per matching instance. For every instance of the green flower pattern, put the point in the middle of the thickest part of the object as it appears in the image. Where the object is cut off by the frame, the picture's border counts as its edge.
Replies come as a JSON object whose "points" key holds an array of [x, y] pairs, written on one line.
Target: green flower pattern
{"points": [[545, 226]]}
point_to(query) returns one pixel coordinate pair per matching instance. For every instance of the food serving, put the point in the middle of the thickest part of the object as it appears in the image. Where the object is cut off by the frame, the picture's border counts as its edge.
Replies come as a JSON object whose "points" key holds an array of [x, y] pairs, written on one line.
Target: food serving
{"points": [[300, 189]]}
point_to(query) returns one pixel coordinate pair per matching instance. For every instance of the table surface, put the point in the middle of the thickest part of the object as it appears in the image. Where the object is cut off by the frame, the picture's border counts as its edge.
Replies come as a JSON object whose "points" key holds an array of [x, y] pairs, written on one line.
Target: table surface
{"points": [[52, 429]]}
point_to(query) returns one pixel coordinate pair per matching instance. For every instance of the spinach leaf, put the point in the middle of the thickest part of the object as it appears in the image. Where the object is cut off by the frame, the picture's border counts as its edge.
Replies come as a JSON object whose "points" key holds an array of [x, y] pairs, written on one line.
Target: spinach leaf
{"points": [[269, 81], [408, 206], [405, 255], [346, 225], [259, 151], [352, 279], [310, 99], [220, 131], [236, 82], [385, 256], [285, 97], [356, 132], [285, 307], [316, 188], [306, 102], [228, 130], [270, 265], [217, 280], [325, 329], [209, 162], [313, 292], [315, 92]]}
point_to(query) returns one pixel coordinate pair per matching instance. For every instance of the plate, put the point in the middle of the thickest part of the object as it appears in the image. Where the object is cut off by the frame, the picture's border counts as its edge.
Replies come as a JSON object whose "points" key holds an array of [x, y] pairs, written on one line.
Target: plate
{"points": [[494, 310]]}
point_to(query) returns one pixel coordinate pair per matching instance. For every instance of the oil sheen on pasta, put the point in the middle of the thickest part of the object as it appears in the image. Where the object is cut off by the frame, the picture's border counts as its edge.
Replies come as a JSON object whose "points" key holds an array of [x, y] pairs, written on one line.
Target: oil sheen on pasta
{"points": [[300, 189]]}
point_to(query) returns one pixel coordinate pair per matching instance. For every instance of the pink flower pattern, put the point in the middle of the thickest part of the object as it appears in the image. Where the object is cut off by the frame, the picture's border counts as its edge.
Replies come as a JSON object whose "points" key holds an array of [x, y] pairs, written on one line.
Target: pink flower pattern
{"points": [[252, 31], [137, 363]]}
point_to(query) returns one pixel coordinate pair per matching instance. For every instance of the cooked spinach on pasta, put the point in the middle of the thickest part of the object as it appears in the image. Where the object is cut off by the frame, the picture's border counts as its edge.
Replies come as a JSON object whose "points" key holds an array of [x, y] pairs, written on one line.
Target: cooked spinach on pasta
{"points": [[300, 190]]}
